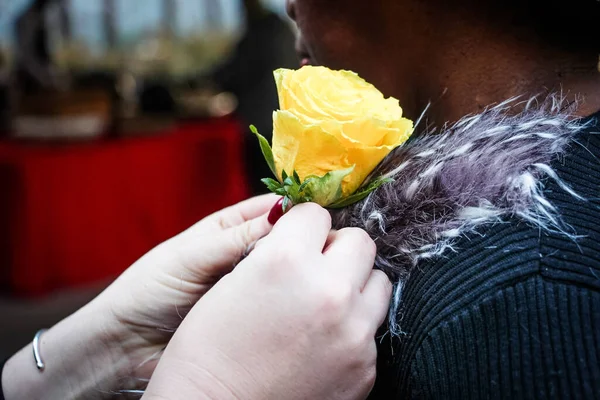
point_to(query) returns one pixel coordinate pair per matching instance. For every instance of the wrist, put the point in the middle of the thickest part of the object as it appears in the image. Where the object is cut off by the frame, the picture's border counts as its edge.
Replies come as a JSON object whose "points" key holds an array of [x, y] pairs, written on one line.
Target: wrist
{"points": [[201, 372], [193, 381], [82, 356]]}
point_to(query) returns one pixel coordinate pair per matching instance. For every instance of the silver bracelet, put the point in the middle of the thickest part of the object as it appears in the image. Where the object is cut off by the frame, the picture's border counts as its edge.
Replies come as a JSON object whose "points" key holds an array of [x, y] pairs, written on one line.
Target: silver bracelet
{"points": [[36, 350]]}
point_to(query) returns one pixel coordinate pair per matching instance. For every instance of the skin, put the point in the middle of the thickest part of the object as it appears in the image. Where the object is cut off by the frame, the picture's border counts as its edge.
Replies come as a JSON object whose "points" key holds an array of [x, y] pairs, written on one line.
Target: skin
{"points": [[292, 324], [458, 58]]}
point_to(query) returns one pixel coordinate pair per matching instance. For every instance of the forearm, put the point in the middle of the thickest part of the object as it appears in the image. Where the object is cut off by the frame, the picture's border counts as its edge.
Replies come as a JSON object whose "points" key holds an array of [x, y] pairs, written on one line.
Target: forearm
{"points": [[191, 383], [82, 359], [201, 372]]}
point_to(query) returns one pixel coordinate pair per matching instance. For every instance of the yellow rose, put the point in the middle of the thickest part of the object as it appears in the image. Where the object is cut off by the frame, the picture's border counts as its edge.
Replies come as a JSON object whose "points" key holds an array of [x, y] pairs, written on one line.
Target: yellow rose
{"points": [[331, 121]]}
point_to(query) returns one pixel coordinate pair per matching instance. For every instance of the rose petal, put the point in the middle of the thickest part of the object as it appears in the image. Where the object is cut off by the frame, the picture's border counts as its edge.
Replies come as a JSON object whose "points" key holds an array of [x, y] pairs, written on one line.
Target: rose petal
{"points": [[307, 149]]}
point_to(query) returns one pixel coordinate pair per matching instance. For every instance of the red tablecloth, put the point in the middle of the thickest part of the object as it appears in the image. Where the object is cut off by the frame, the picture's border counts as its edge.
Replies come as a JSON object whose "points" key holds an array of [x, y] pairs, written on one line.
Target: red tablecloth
{"points": [[76, 214]]}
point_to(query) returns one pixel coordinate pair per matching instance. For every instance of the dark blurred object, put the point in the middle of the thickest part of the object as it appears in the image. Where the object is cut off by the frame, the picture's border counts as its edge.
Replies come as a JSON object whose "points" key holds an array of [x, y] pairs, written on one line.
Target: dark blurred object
{"points": [[65, 21], [109, 13], [156, 99], [169, 12], [144, 109], [33, 65], [267, 44], [197, 99], [4, 95], [4, 109], [157, 112]]}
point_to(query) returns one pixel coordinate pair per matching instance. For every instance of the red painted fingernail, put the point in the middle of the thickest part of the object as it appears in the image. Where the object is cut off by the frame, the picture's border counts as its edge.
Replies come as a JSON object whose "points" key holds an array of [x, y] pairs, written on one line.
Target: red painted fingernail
{"points": [[276, 212]]}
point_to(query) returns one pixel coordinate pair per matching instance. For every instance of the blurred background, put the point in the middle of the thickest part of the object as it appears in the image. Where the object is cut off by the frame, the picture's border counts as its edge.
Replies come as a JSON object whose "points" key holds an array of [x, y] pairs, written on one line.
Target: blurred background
{"points": [[122, 123]]}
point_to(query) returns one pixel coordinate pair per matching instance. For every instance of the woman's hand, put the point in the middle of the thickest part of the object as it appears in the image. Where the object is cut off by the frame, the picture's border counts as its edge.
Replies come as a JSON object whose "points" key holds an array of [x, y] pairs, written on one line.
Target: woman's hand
{"points": [[296, 320], [112, 344], [153, 296]]}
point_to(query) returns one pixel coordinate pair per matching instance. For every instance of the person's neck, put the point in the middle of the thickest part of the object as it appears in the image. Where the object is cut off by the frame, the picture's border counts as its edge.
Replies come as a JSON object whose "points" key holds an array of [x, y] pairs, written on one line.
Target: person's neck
{"points": [[469, 70]]}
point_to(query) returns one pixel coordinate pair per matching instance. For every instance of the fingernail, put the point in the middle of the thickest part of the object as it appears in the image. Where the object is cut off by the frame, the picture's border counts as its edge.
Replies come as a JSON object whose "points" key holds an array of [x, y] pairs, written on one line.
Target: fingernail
{"points": [[276, 212]]}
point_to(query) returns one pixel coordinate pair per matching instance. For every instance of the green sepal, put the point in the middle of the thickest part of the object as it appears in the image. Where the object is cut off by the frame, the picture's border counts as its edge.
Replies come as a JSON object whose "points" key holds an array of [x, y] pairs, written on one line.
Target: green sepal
{"points": [[327, 189], [287, 204], [290, 188], [272, 184], [305, 184], [288, 181], [265, 147], [297, 178], [361, 193]]}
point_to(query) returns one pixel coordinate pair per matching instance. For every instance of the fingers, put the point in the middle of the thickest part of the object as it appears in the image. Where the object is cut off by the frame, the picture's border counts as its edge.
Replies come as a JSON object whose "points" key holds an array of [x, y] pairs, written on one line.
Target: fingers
{"points": [[377, 294], [243, 237], [352, 252], [224, 249], [240, 213], [305, 226], [214, 246]]}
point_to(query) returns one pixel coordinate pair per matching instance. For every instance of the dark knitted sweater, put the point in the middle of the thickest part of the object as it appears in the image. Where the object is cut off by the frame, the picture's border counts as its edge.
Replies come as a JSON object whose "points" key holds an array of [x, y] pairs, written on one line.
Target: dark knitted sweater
{"points": [[514, 313]]}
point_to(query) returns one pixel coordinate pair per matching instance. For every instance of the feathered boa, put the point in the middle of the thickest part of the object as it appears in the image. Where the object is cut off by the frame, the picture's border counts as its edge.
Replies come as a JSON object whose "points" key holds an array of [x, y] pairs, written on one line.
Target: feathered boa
{"points": [[479, 171]]}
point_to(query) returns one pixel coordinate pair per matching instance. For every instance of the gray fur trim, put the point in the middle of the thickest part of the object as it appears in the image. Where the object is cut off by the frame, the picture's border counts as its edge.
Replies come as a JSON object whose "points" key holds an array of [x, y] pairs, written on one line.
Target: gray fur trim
{"points": [[479, 171]]}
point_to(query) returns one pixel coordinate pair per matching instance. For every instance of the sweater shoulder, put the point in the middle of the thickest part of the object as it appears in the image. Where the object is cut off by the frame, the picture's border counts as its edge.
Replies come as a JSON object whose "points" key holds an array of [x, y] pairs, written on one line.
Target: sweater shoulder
{"points": [[500, 283], [500, 255]]}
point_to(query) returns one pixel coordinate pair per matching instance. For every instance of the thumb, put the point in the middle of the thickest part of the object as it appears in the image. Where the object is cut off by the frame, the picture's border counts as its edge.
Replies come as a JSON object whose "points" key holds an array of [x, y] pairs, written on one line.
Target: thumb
{"points": [[239, 241], [211, 256]]}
